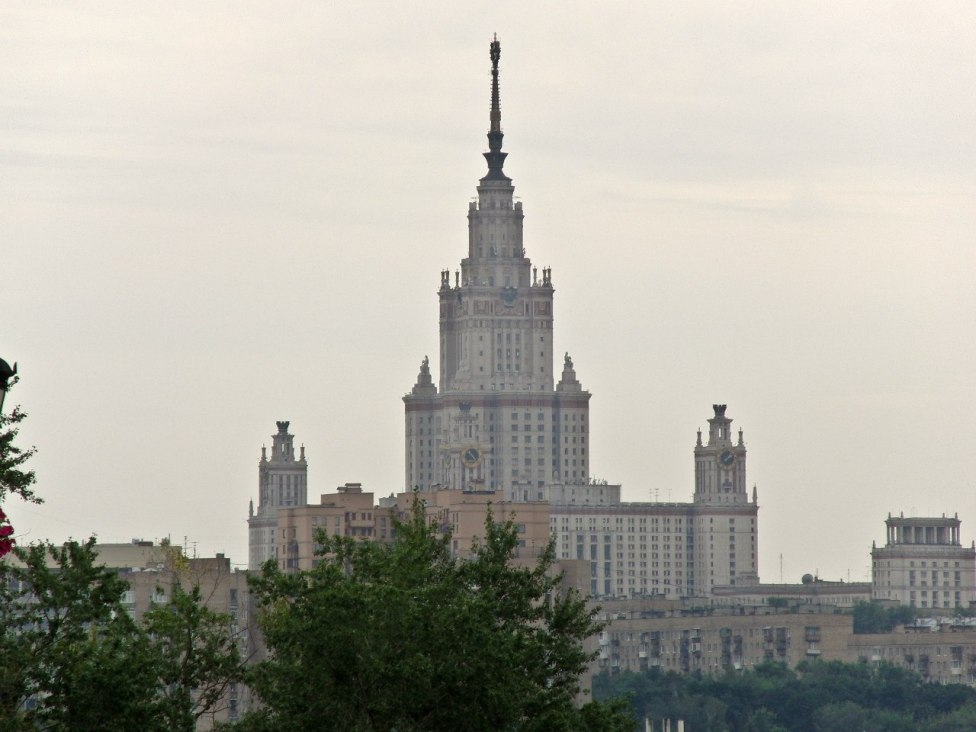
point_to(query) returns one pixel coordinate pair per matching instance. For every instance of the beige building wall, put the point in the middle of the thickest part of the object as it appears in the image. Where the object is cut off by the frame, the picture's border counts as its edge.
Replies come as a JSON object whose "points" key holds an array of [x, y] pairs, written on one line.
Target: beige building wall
{"points": [[815, 592], [137, 554], [347, 512], [152, 571], [464, 513], [351, 512], [945, 656], [641, 635]]}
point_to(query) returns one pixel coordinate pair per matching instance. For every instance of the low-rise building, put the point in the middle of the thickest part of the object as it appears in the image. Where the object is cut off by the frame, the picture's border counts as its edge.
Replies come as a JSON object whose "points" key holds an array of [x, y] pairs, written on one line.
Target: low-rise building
{"points": [[941, 651], [811, 591], [645, 634]]}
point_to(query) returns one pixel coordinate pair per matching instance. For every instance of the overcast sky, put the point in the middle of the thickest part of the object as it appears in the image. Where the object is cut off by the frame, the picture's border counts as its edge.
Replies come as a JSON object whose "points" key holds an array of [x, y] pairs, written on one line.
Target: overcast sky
{"points": [[218, 215]]}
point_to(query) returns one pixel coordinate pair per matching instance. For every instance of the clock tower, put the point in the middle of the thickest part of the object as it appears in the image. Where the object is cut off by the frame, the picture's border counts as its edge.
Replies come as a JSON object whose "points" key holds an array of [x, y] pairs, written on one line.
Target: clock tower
{"points": [[725, 542], [720, 465]]}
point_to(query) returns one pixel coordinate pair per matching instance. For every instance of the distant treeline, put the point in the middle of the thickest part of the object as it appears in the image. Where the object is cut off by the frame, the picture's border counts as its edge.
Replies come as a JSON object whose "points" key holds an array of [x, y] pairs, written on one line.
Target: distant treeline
{"points": [[819, 696]]}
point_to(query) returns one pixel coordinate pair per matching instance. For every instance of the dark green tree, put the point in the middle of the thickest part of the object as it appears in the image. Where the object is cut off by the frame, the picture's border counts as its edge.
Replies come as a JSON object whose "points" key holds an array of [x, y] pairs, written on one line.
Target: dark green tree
{"points": [[194, 656], [406, 637], [73, 658], [872, 617], [63, 632], [816, 697], [14, 478]]}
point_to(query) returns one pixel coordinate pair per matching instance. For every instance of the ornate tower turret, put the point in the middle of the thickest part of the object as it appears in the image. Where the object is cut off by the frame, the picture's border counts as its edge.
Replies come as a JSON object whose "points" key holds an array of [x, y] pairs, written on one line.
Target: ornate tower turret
{"points": [[282, 481], [720, 465], [725, 521]]}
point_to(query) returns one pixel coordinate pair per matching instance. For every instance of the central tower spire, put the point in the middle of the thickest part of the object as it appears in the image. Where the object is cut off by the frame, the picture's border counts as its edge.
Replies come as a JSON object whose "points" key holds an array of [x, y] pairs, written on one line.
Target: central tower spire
{"points": [[495, 156], [495, 420]]}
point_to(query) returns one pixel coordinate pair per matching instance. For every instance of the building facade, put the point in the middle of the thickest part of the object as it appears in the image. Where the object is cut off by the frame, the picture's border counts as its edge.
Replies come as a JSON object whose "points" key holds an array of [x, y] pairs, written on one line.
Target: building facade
{"points": [[347, 512], [644, 634], [497, 419], [282, 483], [669, 550], [923, 564], [641, 636], [812, 592]]}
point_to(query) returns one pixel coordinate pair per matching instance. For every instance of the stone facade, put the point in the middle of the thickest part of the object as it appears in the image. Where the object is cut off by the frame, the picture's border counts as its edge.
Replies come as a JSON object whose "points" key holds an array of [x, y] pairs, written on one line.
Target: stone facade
{"points": [[923, 564], [496, 421], [670, 550], [644, 634]]}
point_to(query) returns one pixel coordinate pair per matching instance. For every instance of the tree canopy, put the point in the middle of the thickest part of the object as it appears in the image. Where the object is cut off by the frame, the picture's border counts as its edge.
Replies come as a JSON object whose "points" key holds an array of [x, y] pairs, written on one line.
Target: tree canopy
{"points": [[73, 658], [14, 478], [819, 696], [872, 617], [406, 637]]}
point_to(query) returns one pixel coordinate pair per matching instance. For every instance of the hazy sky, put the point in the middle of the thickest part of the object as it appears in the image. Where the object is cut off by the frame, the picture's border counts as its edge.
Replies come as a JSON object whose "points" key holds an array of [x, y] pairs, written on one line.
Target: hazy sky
{"points": [[218, 215]]}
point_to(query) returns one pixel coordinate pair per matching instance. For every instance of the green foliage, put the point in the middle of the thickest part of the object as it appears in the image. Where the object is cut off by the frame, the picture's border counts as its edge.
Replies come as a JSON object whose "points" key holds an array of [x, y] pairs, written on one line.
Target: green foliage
{"points": [[871, 617], [14, 479], [74, 659], [194, 656], [61, 626], [817, 697], [408, 638]]}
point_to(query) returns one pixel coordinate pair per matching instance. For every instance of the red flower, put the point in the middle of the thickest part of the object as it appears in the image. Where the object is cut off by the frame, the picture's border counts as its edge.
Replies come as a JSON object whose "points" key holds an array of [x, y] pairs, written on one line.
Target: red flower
{"points": [[6, 531]]}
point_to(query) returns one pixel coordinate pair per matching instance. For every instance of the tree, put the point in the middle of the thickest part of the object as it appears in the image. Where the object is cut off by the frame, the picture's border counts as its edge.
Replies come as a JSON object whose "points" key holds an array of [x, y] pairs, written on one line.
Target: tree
{"points": [[871, 617], [63, 632], [14, 479], [194, 655], [407, 637], [73, 658], [818, 696]]}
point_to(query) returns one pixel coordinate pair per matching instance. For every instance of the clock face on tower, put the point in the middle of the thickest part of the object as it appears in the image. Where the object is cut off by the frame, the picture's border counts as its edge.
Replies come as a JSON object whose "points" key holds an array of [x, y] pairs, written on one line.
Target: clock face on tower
{"points": [[726, 458], [471, 457]]}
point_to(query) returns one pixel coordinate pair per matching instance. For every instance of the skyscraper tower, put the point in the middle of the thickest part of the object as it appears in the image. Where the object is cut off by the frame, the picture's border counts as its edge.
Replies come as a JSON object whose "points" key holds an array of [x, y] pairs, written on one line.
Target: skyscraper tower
{"points": [[496, 422], [282, 482]]}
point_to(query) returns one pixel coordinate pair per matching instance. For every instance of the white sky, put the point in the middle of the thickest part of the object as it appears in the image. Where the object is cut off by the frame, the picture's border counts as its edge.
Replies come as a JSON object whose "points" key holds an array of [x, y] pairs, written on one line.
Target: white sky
{"points": [[218, 215]]}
